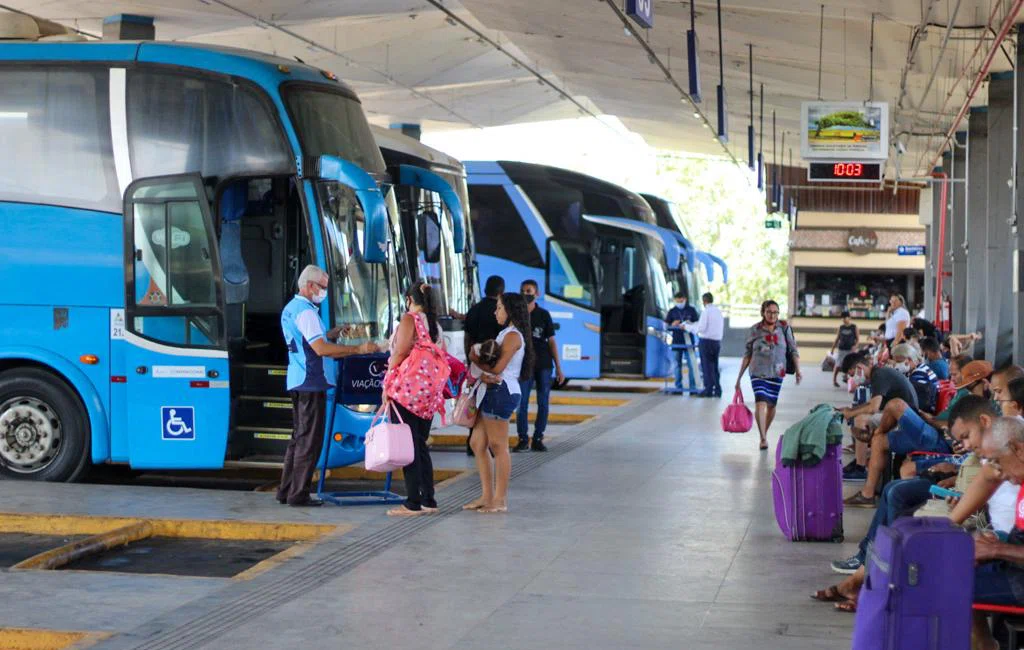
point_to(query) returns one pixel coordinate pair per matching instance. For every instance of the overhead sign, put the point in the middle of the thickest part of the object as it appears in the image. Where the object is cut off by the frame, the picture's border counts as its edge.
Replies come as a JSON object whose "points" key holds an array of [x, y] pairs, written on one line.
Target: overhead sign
{"points": [[862, 241], [641, 11], [910, 250], [772, 223], [844, 131], [844, 172]]}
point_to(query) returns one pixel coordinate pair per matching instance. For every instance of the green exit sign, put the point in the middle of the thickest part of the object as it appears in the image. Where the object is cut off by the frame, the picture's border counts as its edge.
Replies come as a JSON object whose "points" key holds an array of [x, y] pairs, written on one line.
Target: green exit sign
{"points": [[773, 223]]}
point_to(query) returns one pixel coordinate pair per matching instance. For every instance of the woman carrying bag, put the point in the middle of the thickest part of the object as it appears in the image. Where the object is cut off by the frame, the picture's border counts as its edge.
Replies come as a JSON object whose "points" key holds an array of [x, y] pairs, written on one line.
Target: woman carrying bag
{"points": [[771, 354], [415, 394]]}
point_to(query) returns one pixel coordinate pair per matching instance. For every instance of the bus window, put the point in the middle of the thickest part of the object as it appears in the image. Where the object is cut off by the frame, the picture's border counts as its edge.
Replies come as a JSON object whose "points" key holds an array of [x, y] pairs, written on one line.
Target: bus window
{"points": [[359, 289], [55, 130], [174, 290], [178, 122], [571, 272], [498, 227], [457, 286], [332, 123], [430, 236], [663, 288]]}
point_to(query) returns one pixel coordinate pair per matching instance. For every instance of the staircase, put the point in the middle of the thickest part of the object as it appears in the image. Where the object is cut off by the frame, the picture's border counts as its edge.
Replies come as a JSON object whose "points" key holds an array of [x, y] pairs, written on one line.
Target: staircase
{"points": [[262, 424], [622, 354]]}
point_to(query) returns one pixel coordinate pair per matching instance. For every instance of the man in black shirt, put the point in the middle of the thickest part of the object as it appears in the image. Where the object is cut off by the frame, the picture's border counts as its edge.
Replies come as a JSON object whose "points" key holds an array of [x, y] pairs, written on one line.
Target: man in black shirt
{"points": [[545, 351], [481, 324]]}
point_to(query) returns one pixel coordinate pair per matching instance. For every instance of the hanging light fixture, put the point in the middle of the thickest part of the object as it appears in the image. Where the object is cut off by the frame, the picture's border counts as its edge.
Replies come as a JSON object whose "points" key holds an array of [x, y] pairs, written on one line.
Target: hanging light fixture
{"points": [[693, 54], [723, 116], [751, 163]]}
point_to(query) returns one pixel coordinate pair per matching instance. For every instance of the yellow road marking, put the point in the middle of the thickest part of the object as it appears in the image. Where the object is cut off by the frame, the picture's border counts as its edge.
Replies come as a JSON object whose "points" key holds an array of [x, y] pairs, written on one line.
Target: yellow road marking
{"points": [[94, 545], [560, 418], [13, 638], [583, 401], [62, 524]]}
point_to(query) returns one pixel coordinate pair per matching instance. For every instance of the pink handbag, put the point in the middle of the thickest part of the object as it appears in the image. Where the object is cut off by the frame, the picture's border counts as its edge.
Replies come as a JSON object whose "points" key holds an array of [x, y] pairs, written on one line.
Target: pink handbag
{"points": [[388, 445], [737, 417], [465, 407]]}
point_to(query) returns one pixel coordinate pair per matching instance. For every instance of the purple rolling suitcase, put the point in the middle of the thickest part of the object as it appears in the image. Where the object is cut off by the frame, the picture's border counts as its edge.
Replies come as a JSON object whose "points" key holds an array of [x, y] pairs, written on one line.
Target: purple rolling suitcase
{"points": [[918, 589], [809, 500]]}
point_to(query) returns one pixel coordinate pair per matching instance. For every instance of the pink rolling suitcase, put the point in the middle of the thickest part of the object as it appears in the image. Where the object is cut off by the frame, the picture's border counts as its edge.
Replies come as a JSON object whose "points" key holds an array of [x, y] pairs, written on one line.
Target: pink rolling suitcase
{"points": [[809, 499], [388, 445]]}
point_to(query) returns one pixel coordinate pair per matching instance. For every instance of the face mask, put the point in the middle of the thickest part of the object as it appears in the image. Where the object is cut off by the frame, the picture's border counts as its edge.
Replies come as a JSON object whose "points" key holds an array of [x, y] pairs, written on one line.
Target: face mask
{"points": [[529, 297], [903, 367], [319, 296], [858, 379]]}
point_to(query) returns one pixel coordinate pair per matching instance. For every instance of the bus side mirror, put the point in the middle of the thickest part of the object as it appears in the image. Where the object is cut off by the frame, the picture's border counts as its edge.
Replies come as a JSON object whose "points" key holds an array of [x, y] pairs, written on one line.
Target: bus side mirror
{"points": [[430, 236]]}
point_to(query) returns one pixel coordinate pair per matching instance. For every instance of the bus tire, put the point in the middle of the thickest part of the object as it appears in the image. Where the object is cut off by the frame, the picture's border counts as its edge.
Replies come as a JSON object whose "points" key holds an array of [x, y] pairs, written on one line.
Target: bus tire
{"points": [[44, 429]]}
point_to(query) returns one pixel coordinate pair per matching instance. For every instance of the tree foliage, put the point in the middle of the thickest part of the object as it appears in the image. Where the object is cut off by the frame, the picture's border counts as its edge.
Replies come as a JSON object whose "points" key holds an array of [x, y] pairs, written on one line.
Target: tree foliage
{"points": [[724, 214], [841, 118]]}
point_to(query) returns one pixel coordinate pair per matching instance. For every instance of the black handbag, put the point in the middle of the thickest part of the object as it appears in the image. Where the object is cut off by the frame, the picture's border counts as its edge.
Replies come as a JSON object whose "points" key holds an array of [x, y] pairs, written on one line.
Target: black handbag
{"points": [[790, 353]]}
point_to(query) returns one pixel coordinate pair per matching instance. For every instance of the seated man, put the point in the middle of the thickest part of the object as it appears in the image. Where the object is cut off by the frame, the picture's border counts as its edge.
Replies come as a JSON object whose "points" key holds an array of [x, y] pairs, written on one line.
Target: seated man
{"points": [[907, 360], [999, 576], [970, 423], [970, 418], [933, 357], [902, 430]]}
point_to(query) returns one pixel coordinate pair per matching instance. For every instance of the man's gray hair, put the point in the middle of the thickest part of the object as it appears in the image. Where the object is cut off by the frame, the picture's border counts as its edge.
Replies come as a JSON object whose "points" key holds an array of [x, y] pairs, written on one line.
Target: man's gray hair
{"points": [[311, 273], [1004, 431]]}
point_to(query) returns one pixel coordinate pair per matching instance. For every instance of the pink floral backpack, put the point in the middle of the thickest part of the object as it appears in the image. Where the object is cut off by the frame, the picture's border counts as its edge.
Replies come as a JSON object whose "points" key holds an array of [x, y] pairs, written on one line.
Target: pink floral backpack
{"points": [[418, 383]]}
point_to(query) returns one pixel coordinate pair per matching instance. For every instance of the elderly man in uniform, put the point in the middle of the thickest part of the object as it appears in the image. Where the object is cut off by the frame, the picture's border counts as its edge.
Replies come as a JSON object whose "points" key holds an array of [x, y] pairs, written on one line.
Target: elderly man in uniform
{"points": [[311, 372]]}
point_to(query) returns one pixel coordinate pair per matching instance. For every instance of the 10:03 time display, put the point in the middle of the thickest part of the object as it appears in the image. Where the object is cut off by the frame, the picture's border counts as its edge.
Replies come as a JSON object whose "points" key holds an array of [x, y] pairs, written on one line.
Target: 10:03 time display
{"points": [[844, 171]]}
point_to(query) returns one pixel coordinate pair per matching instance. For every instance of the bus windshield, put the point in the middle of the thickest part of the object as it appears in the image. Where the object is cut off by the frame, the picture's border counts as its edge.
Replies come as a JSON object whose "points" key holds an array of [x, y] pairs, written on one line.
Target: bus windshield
{"points": [[332, 123], [660, 283], [573, 272], [360, 290]]}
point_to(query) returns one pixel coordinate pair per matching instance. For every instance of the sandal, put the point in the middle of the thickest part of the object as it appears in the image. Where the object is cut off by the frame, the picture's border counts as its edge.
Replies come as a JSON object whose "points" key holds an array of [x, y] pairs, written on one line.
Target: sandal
{"points": [[493, 510], [429, 510], [763, 446], [402, 511], [858, 500], [829, 595], [475, 505], [846, 606]]}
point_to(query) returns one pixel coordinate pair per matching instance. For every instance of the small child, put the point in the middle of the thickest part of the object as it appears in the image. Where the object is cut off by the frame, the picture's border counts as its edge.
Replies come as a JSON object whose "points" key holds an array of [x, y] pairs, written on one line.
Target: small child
{"points": [[846, 341], [488, 353]]}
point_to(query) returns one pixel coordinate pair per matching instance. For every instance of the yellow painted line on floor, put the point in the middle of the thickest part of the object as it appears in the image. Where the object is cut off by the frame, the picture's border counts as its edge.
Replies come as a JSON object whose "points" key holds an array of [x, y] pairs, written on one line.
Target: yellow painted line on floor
{"points": [[583, 401], [449, 440], [607, 388], [93, 545], [64, 524], [561, 418], [273, 561], [13, 638]]}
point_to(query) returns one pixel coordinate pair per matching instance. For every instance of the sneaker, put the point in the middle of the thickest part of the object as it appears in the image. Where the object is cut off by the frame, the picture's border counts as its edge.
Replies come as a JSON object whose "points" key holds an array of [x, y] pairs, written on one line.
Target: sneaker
{"points": [[858, 473], [849, 467], [538, 446], [522, 446], [848, 566]]}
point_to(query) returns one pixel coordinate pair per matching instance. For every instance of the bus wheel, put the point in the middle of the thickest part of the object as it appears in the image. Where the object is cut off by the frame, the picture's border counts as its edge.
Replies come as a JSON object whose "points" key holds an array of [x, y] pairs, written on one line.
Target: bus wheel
{"points": [[44, 431]]}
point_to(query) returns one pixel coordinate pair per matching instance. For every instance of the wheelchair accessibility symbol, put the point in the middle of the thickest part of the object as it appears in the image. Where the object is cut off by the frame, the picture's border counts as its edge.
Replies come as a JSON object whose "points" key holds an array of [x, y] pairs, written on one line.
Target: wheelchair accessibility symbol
{"points": [[178, 422]]}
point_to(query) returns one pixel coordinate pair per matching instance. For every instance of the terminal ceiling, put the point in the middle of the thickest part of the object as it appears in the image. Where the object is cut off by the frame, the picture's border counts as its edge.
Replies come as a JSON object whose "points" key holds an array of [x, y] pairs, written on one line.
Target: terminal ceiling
{"points": [[450, 64]]}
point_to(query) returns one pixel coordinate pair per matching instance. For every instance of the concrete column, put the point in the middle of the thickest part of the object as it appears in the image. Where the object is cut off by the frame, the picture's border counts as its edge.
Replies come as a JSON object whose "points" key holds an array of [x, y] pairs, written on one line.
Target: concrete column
{"points": [[1017, 262], [977, 218], [999, 247], [956, 234]]}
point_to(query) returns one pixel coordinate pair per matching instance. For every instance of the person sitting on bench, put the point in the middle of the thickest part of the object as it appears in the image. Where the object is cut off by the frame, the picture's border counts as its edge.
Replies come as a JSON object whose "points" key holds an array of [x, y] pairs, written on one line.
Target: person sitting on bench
{"points": [[999, 576]]}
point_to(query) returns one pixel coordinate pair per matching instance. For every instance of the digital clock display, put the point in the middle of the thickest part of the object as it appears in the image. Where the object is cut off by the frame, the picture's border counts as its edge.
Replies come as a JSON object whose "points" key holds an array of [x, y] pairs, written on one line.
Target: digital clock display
{"points": [[844, 171]]}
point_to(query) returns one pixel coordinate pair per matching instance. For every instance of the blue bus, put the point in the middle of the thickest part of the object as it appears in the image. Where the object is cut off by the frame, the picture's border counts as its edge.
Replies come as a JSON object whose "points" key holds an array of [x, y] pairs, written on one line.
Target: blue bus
{"points": [[434, 241], [157, 203], [596, 252]]}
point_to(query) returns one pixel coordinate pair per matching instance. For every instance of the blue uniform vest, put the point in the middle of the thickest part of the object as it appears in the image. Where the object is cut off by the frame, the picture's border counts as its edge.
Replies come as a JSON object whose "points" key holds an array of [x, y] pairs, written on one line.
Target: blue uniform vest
{"points": [[307, 370]]}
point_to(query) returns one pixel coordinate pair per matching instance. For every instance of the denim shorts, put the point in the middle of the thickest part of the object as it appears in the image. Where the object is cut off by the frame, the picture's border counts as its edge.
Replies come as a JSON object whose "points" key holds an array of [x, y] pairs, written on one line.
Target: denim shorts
{"points": [[499, 403], [914, 434]]}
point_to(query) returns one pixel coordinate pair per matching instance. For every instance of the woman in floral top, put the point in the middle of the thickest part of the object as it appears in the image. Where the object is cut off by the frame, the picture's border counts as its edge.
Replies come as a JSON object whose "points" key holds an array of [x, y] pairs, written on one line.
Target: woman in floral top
{"points": [[767, 344]]}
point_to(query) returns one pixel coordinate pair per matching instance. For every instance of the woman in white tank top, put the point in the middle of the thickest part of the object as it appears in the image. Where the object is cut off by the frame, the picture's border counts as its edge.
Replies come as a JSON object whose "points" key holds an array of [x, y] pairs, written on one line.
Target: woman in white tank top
{"points": [[500, 402]]}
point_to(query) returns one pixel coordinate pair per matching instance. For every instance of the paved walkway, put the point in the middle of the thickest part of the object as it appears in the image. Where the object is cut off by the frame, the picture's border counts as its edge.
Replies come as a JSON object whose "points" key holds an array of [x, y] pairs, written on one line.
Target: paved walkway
{"points": [[644, 528]]}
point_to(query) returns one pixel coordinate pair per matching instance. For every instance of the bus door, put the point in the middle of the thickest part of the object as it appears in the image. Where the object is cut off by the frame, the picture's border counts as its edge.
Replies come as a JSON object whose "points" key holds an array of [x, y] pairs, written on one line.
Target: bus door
{"points": [[168, 344]]}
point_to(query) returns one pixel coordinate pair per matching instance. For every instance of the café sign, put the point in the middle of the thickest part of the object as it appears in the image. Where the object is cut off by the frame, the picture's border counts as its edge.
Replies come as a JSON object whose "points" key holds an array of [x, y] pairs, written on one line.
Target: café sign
{"points": [[862, 241]]}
